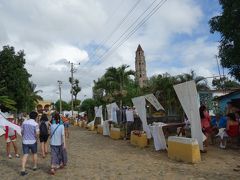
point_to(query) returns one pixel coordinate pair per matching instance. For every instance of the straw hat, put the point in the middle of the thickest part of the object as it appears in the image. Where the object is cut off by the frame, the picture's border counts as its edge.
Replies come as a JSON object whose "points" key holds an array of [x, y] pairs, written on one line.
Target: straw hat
{"points": [[10, 116]]}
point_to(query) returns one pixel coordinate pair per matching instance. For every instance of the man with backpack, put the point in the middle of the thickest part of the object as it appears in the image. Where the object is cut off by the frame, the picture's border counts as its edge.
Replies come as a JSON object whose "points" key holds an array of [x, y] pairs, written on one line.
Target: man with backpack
{"points": [[44, 134]]}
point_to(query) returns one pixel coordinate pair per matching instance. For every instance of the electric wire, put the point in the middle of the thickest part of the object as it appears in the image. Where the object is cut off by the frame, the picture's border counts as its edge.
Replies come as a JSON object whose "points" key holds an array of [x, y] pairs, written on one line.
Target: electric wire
{"points": [[115, 29], [146, 18]]}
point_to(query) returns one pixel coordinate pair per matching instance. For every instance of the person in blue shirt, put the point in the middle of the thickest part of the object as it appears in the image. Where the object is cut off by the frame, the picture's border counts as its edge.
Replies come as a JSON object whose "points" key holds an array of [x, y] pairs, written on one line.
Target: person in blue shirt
{"points": [[219, 121]]}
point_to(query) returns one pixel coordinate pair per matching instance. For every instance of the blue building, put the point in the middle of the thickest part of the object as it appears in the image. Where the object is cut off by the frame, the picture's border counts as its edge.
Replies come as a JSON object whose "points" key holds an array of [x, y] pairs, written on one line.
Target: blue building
{"points": [[233, 97]]}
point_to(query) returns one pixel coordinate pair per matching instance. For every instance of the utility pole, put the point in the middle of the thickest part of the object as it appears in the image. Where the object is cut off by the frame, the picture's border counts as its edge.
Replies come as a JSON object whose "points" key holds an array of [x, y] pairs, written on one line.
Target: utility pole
{"points": [[60, 94], [72, 81], [72, 87]]}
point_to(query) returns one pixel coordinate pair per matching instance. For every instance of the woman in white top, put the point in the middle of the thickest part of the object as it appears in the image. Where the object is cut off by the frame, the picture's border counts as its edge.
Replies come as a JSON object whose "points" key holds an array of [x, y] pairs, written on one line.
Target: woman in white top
{"points": [[58, 144]]}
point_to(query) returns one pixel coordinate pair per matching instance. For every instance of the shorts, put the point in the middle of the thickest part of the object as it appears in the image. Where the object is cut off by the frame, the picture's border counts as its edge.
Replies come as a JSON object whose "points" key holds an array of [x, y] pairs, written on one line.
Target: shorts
{"points": [[27, 147], [207, 131], [11, 139], [66, 124], [43, 138]]}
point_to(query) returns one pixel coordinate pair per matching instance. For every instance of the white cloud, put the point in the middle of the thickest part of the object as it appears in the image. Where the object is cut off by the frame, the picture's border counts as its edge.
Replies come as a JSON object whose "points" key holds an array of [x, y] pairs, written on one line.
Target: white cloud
{"points": [[51, 31]]}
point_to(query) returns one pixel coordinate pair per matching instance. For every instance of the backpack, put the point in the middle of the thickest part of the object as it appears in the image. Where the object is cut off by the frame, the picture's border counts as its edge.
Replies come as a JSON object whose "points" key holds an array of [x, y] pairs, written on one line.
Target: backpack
{"points": [[43, 129]]}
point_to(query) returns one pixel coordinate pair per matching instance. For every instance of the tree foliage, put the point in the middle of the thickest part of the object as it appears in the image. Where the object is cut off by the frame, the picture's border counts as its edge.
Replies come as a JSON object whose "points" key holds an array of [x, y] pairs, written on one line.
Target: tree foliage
{"points": [[162, 87], [224, 83], [14, 77], [5, 102], [227, 24], [65, 106], [75, 90], [88, 106], [114, 85], [201, 82]]}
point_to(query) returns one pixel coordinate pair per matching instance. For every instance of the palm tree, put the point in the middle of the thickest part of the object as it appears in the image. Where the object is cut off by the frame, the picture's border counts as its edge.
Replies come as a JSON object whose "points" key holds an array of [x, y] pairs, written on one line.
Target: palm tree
{"points": [[200, 81], [32, 98], [118, 79], [6, 102], [113, 85], [34, 93], [162, 87]]}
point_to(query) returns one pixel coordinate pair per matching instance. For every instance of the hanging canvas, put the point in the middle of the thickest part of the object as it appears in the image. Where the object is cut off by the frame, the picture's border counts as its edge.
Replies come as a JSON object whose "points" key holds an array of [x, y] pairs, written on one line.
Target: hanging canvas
{"points": [[153, 100], [188, 97], [5, 122], [140, 103]]}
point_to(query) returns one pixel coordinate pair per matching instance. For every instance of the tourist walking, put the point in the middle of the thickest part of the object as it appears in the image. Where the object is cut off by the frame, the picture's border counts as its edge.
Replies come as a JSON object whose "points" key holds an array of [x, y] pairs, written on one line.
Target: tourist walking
{"points": [[66, 125], [30, 132], [44, 134], [58, 145]]}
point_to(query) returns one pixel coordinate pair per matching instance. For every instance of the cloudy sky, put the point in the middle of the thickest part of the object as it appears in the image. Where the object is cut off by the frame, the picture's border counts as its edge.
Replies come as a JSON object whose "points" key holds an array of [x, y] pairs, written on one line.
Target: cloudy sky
{"points": [[175, 39]]}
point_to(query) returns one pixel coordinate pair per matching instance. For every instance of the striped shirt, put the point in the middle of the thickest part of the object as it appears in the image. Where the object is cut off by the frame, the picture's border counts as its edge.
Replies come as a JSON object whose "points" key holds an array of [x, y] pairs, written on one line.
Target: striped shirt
{"points": [[29, 131]]}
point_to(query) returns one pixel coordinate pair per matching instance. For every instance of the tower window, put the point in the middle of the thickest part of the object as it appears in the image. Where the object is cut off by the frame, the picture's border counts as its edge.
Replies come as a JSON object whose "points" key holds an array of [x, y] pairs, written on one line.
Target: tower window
{"points": [[140, 75]]}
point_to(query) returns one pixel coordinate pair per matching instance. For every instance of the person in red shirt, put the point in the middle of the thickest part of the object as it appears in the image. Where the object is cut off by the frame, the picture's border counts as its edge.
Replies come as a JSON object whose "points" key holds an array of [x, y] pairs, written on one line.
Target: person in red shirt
{"points": [[11, 136], [205, 123], [232, 129]]}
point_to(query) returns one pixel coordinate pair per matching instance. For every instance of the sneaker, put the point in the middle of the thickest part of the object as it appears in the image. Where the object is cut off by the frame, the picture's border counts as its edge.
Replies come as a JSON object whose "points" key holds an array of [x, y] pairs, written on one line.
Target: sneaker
{"points": [[17, 156], [222, 146], [10, 156], [23, 173]]}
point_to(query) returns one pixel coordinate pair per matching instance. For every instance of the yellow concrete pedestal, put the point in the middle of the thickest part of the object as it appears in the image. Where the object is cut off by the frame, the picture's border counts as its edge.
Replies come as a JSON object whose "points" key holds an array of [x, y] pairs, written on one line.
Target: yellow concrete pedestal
{"points": [[91, 128], [75, 123], [84, 124], [80, 123], [100, 129], [116, 133], [183, 149], [140, 141]]}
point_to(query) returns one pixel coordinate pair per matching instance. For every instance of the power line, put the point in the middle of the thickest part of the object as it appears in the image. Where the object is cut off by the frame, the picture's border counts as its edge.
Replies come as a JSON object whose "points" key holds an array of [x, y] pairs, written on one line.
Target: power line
{"points": [[117, 27], [144, 19], [150, 14], [130, 26]]}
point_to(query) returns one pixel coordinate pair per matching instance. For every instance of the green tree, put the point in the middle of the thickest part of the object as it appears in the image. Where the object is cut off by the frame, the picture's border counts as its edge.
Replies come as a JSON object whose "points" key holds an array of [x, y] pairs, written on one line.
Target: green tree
{"points": [[75, 90], [201, 82], [76, 104], [5, 102], [227, 24], [162, 87], [88, 106], [224, 83], [33, 97], [15, 77], [113, 84], [65, 106]]}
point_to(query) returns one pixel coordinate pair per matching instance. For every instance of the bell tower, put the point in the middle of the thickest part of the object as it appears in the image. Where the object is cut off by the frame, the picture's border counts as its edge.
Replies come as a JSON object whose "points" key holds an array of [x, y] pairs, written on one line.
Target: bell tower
{"points": [[140, 67]]}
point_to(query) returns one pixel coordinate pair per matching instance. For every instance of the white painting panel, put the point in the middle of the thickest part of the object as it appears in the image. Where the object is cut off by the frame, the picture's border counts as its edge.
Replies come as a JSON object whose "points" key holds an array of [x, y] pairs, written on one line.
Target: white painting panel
{"points": [[188, 97]]}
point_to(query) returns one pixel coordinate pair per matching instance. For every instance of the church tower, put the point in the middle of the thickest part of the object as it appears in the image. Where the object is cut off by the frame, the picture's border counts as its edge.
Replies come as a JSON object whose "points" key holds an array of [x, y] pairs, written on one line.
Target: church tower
{"points": [[140, 67]]}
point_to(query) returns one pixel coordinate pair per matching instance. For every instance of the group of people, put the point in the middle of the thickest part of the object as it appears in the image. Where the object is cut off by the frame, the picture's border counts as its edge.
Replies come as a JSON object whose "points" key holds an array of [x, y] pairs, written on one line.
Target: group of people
{"points": [[223, 126], [32, 132]]}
